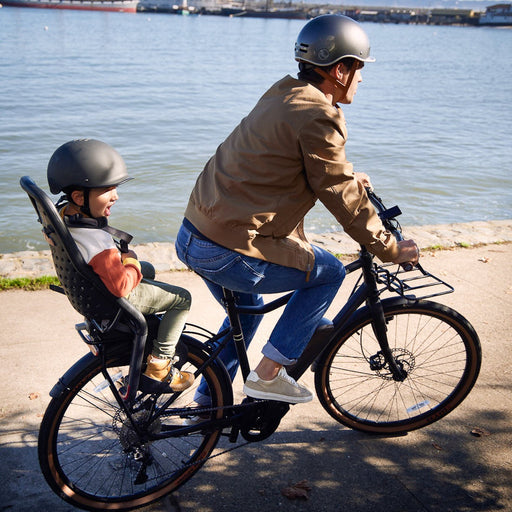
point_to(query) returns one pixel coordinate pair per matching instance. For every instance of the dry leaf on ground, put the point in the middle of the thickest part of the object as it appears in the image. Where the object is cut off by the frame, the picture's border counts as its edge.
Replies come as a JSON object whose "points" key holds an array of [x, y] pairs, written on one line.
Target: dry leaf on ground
{"points": [[298, 491], [480, 432]]}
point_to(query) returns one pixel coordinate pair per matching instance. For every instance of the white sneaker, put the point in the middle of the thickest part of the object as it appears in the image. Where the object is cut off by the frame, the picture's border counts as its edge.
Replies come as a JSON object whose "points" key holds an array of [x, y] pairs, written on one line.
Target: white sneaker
{"points": [[282, 388]]}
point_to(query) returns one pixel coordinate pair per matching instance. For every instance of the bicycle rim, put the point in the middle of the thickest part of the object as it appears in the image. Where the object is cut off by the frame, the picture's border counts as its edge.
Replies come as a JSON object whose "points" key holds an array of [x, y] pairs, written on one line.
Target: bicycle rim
{"points": [[91, 456], [435, 345]]}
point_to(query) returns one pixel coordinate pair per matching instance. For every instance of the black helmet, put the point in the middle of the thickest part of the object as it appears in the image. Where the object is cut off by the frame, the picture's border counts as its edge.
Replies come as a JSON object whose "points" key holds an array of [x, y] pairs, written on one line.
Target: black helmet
{"points": [[327, 39], [85, 164]]}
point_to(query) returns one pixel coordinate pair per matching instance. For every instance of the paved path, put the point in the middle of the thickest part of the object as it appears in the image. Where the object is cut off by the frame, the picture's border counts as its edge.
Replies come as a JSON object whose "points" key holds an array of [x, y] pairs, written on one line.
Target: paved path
{"points": [[442, 467]]}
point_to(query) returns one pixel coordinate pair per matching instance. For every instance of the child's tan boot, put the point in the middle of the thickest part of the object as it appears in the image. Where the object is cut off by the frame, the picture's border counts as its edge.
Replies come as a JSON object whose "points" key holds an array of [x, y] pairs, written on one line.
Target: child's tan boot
{"points": [[162, 377]]}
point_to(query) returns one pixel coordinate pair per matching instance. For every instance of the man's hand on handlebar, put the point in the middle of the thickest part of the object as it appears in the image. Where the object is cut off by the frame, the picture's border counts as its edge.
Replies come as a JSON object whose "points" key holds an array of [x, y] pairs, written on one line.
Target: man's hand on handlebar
{"points": [[409, 253], [364, 179]]}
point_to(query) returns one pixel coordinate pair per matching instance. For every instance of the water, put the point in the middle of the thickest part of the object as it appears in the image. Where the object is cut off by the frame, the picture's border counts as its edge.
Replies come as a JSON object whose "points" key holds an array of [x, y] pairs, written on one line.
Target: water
{"points": [[431, 122]]}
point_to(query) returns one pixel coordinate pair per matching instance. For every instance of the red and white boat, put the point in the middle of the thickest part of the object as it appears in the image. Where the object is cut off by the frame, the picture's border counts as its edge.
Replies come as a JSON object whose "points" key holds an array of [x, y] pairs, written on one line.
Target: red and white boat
{"points": [[78, 5]]}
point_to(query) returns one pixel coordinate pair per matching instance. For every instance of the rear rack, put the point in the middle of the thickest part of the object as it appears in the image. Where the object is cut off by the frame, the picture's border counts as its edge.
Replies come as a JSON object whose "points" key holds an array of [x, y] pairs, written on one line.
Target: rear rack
{"points": [[413, 284]]}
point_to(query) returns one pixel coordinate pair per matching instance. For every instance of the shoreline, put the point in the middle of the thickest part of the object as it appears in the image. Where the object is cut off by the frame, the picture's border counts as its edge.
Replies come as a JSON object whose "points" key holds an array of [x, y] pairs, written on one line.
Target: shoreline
{"points": [[34, 264]]}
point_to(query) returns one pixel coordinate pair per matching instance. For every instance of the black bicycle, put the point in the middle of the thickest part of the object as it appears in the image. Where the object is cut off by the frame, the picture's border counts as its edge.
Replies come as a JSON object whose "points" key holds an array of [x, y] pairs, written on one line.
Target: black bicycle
{"points": [[392, 361]]}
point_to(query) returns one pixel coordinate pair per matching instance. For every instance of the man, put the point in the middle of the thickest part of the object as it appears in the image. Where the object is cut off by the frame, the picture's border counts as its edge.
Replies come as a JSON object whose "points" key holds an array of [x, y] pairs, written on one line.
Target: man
{"points": [[243, 226]]}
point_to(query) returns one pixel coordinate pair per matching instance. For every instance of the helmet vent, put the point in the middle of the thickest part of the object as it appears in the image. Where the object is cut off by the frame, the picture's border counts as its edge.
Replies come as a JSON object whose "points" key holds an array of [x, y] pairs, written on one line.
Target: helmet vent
{"points": [[301, 47]]}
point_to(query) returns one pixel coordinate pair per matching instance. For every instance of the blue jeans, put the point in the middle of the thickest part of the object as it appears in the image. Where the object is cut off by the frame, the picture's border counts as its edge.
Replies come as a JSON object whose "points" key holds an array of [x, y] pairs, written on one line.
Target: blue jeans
{"points": [[249, 277]]}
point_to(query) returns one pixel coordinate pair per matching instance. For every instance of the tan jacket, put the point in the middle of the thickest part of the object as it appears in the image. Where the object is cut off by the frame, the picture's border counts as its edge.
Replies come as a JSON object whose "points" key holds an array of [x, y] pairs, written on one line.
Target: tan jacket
{"points": [[253, 194]]}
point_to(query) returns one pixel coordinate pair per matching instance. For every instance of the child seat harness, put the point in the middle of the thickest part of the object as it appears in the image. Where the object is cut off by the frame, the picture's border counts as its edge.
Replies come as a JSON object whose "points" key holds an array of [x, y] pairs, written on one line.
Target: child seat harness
{"points": [[121, 238]]}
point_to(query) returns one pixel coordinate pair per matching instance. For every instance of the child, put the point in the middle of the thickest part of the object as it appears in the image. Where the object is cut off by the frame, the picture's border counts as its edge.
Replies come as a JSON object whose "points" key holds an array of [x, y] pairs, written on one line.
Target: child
{"points": [[89, 172]]}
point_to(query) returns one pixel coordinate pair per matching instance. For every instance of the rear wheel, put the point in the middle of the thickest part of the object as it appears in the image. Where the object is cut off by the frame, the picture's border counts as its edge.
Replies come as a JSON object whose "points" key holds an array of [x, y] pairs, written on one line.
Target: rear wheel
{"points": [[94, 456], [438, 349]]}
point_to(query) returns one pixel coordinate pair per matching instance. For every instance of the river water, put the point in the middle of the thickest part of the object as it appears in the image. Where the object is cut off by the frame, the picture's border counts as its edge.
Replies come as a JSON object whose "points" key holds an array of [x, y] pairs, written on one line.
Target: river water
{"points": [[431, 122]]}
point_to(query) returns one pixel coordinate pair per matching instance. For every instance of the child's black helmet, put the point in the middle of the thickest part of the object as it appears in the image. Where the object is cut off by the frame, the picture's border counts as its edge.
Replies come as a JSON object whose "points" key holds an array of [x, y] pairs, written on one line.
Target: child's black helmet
{"points": [[85, 164]]}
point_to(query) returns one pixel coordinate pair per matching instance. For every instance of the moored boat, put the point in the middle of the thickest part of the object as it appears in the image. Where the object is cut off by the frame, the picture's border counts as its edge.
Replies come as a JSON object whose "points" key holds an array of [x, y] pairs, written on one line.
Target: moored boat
{"points": [[285, 13], [79, 5]]}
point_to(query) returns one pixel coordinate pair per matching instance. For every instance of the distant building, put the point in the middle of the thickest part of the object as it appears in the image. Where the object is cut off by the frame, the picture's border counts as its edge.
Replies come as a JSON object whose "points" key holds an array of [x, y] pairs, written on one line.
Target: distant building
{"points": [[497, 15], [453, 17]]}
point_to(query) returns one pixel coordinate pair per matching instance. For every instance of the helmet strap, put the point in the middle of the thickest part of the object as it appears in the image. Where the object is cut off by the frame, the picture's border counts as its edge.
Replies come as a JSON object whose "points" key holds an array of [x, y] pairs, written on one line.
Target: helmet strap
{"points": [[85, 208], [338, 83]]}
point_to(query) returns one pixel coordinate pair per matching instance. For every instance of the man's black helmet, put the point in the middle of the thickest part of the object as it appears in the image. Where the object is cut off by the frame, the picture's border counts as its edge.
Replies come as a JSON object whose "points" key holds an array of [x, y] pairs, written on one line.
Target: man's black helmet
{"points": [[327, 39], [85, 164]]}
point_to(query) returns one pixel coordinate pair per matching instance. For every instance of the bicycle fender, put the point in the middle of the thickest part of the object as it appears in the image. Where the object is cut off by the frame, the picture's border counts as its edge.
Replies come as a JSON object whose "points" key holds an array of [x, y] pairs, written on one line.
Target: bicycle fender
{"points": [[228, 387], [387, 302], [63, 383], [362, 312]]}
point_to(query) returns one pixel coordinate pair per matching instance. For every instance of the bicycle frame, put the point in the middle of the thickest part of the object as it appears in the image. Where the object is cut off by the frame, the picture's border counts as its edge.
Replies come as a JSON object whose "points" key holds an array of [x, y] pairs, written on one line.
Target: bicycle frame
{"points": [[367, 292]]}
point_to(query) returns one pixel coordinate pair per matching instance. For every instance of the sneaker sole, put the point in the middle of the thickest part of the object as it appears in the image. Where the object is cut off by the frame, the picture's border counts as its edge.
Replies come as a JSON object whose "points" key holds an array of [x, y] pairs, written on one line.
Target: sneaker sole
{"points": [[263, 395]]}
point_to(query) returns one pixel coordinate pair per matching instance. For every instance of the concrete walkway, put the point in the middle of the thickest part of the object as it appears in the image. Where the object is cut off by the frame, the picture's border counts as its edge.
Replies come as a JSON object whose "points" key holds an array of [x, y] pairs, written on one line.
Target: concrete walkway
{"points": [[443, 467]]}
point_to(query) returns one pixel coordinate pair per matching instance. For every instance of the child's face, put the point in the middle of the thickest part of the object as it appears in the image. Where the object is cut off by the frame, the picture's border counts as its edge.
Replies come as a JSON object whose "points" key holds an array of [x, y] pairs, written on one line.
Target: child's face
{"points": [[101, 201]]}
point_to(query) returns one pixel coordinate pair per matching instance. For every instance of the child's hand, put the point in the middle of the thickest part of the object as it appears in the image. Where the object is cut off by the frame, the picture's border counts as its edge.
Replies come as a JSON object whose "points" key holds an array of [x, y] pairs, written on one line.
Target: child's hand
{"points": [[129, 254]]}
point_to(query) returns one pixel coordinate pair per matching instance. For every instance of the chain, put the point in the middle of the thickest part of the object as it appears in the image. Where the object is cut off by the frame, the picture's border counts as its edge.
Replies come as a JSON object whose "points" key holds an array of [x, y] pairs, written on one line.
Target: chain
{"points": [[203, 410]]}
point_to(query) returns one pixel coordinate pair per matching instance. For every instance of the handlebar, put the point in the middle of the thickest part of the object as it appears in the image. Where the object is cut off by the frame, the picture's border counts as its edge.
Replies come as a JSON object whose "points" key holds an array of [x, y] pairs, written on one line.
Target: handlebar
{"points": [[388, 218]]}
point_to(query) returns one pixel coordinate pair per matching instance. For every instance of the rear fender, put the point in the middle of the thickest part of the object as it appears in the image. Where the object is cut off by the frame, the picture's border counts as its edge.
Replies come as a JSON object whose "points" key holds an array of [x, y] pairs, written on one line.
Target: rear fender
{"points": [[221, 369], [63, 383]]}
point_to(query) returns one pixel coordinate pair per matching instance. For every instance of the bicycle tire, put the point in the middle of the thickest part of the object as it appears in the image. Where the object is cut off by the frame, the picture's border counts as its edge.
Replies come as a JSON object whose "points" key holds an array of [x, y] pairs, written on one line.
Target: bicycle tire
{"points": [[437, 347], [87, 448]]}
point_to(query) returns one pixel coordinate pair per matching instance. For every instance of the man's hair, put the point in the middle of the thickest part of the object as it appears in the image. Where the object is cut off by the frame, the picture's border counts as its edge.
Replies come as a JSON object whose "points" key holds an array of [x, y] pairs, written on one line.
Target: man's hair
{"points": [[307, 71]]}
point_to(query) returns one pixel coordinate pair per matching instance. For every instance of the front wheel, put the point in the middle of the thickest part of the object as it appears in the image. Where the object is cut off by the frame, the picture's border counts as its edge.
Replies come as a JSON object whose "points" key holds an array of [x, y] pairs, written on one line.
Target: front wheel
{"points": [[95, 456], [436, 347]]}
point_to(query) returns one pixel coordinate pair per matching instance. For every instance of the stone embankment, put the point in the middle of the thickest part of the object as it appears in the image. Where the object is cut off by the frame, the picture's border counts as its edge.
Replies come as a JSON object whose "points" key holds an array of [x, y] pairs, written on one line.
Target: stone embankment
{"points": [[163, 256]]}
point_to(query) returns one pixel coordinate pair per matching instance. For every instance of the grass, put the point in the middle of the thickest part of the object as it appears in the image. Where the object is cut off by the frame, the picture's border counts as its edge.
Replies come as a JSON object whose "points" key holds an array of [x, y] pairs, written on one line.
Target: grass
{"points": [[28, 283], [44, 282]]}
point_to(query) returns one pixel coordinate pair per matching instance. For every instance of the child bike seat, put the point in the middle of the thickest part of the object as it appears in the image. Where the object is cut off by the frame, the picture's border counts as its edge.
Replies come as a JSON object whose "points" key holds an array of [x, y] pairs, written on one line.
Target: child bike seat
{"points": [[86, 292]]}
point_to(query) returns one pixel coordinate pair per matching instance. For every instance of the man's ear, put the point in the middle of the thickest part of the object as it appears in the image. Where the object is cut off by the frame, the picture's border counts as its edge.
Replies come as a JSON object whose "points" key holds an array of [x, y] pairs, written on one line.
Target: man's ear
{"points": [[341, 71], [77, 196]]}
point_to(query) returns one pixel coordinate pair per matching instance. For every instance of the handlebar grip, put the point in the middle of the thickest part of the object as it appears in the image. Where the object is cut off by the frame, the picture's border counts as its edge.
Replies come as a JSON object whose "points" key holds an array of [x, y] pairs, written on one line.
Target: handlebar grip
{"points": [[406, 266], [387, 216]]}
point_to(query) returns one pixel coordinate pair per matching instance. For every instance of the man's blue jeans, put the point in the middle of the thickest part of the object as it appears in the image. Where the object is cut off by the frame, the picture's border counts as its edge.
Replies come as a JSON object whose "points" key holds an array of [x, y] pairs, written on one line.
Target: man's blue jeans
{"points": [[249, 277]]}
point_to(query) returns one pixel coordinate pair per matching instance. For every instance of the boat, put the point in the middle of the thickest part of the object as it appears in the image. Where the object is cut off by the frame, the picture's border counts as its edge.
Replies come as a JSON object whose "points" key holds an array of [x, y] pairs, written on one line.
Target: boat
{"points": [[166, 6], [499, 15], [78, 5]]}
